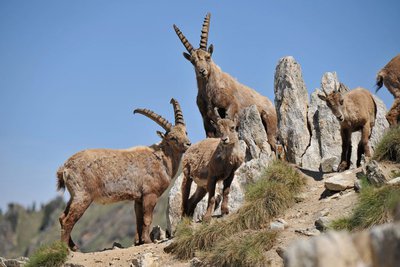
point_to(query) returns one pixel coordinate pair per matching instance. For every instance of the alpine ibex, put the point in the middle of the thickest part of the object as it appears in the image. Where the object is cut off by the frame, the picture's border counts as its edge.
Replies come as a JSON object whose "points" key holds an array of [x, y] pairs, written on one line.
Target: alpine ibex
{"points": [[390, 77], [218, 89], [140, 173], [355, 110], [209, 161]]}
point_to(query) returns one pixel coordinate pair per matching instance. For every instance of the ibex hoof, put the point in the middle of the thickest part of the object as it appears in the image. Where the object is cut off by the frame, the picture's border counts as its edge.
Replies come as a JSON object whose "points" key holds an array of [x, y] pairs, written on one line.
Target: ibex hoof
{"points": [[342, 166]]}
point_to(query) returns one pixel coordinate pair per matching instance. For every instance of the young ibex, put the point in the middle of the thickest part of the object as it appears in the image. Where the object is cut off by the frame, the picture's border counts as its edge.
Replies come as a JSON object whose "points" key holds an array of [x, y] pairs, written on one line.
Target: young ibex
{"points": [[390, 77], [355, 110], [209, 161], [140, 173], [218, 89]]}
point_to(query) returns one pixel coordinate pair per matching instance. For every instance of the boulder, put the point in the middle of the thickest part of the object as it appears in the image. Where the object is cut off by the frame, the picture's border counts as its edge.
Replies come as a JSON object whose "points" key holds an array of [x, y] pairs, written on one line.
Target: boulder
{"points": [[375, 174], [341, 181], [376, 247], [291, 103]]}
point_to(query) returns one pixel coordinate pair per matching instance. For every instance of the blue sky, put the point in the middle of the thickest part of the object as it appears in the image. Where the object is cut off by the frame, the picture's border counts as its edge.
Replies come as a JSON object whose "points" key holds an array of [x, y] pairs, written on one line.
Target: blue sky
{"points": [[71, 72]]}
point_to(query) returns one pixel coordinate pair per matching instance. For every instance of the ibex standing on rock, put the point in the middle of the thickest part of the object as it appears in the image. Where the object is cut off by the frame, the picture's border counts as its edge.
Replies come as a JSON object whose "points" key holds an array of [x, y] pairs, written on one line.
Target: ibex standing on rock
{"points": [[210, 161], [355, 110], [140, 173], [218, 89], [390, 77]]}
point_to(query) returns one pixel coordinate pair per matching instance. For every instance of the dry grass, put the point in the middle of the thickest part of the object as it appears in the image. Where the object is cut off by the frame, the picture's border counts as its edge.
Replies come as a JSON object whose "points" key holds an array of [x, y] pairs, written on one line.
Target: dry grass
{"points": [[389, 146], [375, 207], [271, 195]]}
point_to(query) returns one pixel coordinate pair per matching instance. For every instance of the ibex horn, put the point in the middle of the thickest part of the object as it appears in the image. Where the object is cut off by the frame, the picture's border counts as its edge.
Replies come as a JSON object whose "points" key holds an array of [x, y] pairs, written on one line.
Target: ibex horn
{"points": [[183, 39], [204, 32], [155, 117], [177, 112]]}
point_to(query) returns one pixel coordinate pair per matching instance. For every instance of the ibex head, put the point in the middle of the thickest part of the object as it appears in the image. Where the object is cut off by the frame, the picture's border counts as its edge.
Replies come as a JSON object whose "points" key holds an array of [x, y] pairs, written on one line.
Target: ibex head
{"points": [[200, 57], [175, 135], [335, 101], [226, 129]]}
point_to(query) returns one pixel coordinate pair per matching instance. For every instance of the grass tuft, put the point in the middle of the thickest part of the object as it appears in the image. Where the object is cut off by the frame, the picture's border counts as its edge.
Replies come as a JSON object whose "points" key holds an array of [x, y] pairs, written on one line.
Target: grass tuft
{"points": [[52, 255], [388, 147], [244, 249], [273, 193], [375, 207]]}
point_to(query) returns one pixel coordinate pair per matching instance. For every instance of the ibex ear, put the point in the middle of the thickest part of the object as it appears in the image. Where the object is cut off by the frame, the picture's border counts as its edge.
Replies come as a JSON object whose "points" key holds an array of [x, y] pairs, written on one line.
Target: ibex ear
{"points": [[160, 134], [187, 56], [322, 97], [211, 49]]}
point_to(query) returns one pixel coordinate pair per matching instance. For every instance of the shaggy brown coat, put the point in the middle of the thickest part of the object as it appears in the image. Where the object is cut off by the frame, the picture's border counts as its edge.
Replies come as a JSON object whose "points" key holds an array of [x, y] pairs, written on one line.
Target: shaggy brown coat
{"points": [[355, 110], [390, 77], [219, 89], [206, 163], [141, 174]]}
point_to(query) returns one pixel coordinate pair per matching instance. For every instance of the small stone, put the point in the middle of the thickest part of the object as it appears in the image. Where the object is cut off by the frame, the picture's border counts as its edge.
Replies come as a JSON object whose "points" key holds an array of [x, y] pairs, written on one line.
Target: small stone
{"points": [[195, 262], [324, 212], [357, 185], [308, 232], [394, 181], [375, 174], [322, 223], [157, 234], [278, 226], [300, 197]]}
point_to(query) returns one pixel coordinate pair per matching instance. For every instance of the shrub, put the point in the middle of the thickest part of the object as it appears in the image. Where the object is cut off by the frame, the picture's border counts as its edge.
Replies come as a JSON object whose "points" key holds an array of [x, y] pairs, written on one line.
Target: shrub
{"points": [[52, 255]]}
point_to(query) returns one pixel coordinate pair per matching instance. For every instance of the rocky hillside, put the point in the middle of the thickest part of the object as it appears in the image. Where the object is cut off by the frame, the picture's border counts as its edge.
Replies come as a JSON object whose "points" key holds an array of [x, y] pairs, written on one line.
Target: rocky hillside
{"points": [[23, 230]]}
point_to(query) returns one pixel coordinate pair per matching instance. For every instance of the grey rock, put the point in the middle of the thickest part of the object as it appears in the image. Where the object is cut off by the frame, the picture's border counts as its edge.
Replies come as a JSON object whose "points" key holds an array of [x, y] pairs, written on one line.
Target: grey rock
{"points": [[277, 226], [252, 132], [196, 262], [341, 181], [357, 185], [14, 263], [334, 249], [311, 159], [375, 174], [385, 243], [322, 223], [157, 234], [308, 232], [394, 181], [291, 102], [146, 260], [381, 124]]}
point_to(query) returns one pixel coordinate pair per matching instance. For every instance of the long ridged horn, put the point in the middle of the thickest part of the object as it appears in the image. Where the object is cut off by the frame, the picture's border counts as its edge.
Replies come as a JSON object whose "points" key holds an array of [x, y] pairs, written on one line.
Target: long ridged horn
{"points": [[178, 112], [155, 117], [183, 39], [204, 32]]}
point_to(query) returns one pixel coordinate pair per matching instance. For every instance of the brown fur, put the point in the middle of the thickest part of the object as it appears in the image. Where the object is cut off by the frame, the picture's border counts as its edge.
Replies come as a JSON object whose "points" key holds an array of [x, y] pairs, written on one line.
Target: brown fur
{"points": [[140, 174], [390, 77], [218, 89], [206, 163], [355, 110]]}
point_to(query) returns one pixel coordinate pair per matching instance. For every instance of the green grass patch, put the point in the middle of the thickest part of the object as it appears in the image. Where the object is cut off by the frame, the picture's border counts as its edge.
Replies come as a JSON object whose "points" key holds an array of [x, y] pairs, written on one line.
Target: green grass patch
{"points": [[52, 255], [375, 206], [388, 147], [268, 197]]}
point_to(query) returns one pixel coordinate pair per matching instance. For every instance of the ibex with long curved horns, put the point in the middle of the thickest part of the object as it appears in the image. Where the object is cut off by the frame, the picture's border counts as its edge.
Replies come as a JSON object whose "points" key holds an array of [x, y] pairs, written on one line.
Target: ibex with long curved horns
{"points": [[141, 174], [390, 77], [218, 89], [355, 110]]}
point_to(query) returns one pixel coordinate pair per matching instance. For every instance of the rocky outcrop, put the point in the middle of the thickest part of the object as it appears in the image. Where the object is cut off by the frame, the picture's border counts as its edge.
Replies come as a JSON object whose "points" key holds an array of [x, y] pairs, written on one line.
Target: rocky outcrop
{"points": [[309, 130], [258, 155], [291, 97], [376, 248]]}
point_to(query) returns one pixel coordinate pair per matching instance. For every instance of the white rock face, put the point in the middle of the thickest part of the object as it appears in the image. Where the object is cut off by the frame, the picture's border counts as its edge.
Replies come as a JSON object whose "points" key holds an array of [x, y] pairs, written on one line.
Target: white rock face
{"points": [[291, 103]]}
